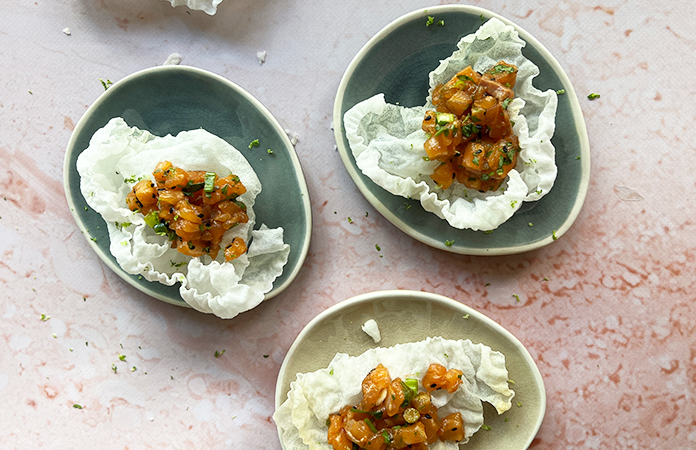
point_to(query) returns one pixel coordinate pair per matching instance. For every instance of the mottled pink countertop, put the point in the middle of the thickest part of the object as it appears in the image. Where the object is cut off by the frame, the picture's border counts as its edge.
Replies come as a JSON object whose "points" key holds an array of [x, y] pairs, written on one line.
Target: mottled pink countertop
{"points": [[613, 330]]}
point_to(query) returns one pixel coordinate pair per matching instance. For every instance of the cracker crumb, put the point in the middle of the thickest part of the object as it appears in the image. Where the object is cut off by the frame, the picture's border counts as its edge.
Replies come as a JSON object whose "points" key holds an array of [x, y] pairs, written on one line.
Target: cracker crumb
{"points": [[66, 31], [173, 60], [370, 327], [261, 56]]}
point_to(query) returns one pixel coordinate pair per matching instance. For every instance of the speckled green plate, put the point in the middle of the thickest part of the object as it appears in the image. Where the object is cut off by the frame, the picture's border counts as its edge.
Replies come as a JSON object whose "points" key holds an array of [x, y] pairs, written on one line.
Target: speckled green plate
{"points": [[411, 316], [169, 99], [396, 62]]}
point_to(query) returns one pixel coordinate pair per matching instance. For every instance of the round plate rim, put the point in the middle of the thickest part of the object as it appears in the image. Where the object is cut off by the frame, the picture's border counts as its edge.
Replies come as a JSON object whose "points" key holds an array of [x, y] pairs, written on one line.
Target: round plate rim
{"points": [[113, 90], [358, 177], [420, 295]]}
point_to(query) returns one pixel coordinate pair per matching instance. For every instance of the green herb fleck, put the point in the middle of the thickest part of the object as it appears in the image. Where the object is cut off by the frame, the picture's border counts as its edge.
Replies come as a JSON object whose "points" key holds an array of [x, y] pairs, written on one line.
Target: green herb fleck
{"points": [[378, 248], [133, 369], [76, 406], [487, 284], [577, 157], [425, 158], [430, 21], [485, 427], [122, 357], [107, 84], [482, 18], [254, 143], [446, 355], [449, 243], [266, 356], [44, 317], [593, 96], [269, 151], [441, 23], [511, 381], [546, 279], [465, 316], [505, 103], [179, 264], [350, 220], [560, 91], [553, 235], [54, 335], [519, 404], [513, 203], [530, 224], [407, 206], [500, 68], [488, 231], [331, 371], [517, 297], [113, 367], [219, 353]]}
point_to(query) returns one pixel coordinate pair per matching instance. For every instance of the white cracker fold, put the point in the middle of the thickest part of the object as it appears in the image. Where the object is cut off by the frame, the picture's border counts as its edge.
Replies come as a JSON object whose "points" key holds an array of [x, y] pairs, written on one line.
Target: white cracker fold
{"points": [[117, 153], [208, 6], [314, 396]]}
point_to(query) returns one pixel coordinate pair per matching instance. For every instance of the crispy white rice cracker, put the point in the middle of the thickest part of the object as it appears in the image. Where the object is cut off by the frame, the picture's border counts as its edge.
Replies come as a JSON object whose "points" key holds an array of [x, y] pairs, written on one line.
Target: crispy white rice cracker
{"points": [[314, 396], [208, 6], [117, 153]]}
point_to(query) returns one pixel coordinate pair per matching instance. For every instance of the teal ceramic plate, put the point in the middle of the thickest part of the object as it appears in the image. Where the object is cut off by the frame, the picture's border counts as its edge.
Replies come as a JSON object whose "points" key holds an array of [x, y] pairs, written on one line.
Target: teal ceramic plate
{"points": [[411, 316], [169, 99], [396, 62]]}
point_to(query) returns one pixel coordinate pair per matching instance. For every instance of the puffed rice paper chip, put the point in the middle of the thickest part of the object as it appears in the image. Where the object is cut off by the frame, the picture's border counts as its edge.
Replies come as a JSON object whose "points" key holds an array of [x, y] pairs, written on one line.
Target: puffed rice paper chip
{"points": [[118, 156], [314, 396], [387, 140], [207, 6]]}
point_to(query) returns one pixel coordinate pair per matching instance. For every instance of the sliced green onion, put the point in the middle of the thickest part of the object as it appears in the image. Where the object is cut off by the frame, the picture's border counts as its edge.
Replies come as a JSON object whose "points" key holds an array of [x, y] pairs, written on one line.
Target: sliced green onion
{"points": [[464, 78], [444, 118], [387, 438], [192, 187], [209, 181], [161, 229], [371, 425], [411, 415], [152, 219]]}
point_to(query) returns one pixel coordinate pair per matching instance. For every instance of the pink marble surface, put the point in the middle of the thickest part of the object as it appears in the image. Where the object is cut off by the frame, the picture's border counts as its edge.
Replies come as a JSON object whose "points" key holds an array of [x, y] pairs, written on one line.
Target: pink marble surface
{"points": [[613, 330]]}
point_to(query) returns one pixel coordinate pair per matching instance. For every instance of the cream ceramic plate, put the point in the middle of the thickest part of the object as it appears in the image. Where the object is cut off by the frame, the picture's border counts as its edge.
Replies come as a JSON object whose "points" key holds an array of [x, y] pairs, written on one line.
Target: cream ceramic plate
{"points": [[411, 316]]}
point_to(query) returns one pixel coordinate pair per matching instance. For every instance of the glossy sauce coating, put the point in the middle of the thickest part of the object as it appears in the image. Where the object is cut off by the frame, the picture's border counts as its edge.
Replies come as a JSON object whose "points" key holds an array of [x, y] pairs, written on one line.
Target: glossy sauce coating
{"points": [[193, 208], [394, 415], [470, 131]]}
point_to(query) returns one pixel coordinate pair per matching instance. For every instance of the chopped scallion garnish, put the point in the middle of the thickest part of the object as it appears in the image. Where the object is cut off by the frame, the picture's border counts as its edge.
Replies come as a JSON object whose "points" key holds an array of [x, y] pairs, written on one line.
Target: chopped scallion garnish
{"points": [[209, 182]]}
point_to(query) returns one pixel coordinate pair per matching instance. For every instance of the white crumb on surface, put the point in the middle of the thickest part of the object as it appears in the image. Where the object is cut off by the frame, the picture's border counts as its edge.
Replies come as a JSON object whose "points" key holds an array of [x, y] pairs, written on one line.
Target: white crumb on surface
{"points": [[293, 136], [173, 60], [370, 327], [66, 31], [261, 56]]}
